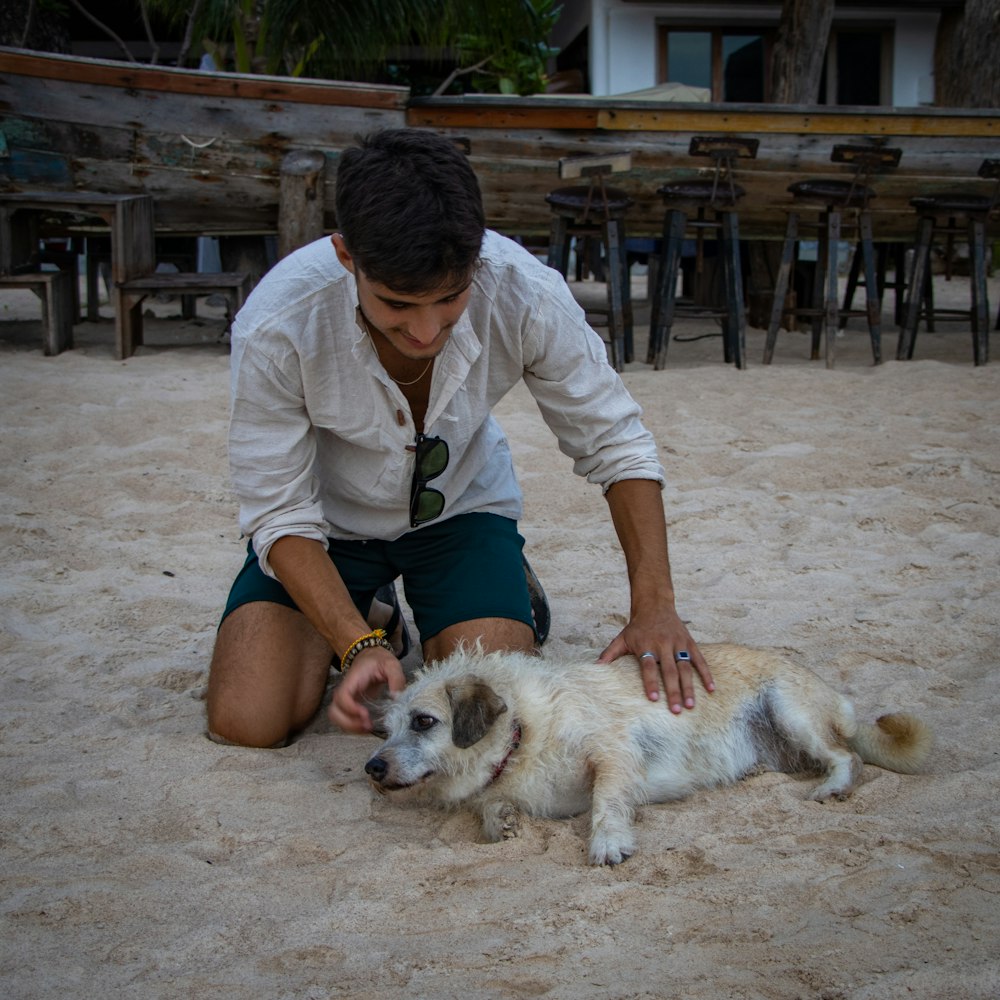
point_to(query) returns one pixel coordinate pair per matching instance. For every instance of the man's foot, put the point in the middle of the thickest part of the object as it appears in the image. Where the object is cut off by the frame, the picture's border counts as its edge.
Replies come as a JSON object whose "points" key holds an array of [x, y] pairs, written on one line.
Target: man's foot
{"points": [[539, 604], [386, 614]]}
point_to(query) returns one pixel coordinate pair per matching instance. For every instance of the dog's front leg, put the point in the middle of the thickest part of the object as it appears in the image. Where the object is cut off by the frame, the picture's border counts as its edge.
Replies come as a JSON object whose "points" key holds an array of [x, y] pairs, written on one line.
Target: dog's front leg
{"points": [[612, 839], [501, 821]]}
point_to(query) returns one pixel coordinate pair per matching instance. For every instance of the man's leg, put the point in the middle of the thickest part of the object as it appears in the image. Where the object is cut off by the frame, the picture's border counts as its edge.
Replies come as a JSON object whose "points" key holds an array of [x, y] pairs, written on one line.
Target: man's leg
{"points": [[465, 581], [270, 666], [496, 634], [268, 675]]}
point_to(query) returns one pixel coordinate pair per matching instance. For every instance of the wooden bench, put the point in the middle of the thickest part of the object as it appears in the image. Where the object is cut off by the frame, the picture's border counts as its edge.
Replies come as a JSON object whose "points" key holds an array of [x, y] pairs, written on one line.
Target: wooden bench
{"points": [[55, 289], [129, 218], [234, 285]]}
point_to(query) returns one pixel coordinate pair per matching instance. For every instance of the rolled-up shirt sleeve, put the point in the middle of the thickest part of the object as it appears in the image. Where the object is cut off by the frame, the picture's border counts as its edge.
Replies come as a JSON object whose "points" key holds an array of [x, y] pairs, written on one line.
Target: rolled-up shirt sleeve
{"points": [[272, 448], [581, 397]]}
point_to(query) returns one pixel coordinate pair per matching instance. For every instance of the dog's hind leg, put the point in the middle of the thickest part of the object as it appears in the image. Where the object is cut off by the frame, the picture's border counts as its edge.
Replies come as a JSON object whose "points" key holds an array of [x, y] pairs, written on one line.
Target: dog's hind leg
{"points": [[815, 724], [614, 795]]}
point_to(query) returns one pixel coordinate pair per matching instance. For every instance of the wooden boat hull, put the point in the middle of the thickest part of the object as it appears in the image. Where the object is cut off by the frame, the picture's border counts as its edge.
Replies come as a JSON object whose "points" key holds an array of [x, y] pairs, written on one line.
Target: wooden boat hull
{"points": [[209, 146]]}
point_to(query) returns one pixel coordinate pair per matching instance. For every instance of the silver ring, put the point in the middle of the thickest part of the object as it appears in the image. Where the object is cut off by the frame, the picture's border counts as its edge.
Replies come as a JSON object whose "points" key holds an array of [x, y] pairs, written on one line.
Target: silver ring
{"points": [[644, 655], [682, 656]]}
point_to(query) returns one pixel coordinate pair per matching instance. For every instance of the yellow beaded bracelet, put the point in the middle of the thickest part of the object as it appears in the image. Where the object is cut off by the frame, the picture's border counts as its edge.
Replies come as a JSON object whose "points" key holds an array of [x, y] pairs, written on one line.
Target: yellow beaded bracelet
{"points": [[374, 638]]}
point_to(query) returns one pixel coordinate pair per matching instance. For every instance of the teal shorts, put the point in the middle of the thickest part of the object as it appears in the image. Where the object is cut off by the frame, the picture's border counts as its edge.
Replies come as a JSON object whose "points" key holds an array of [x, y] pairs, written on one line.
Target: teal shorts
{"points": [[468, 566]]}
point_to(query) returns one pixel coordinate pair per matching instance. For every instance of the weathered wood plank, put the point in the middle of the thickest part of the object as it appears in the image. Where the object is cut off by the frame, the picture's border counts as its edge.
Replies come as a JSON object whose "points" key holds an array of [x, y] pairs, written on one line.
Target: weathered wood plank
{"points": [[264, 124], [896, 126], [132, 77], [480, 116], [516, 158], [212, 160], [209, 147], [646, 116], [516, 171]]}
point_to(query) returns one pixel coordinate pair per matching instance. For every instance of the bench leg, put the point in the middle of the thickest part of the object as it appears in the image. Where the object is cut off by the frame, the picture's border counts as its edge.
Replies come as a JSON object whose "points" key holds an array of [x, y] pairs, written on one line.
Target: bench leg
{"points": [[128, 321], [94, 278], [56, 296], [59, 334]]}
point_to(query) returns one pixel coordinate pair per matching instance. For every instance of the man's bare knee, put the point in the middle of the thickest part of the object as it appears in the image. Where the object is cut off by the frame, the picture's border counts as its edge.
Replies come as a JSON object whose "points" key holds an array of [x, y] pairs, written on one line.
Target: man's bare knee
{"points": [[267, 677], [495, 634]]}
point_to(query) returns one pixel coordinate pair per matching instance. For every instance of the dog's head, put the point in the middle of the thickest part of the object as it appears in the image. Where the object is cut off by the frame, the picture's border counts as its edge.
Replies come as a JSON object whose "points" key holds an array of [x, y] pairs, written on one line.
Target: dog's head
{"points": [[444, 734]]}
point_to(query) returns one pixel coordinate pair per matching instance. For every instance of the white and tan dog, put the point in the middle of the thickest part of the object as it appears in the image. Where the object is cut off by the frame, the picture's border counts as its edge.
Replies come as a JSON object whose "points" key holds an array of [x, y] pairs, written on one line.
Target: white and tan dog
{"points": [[508, 733]]}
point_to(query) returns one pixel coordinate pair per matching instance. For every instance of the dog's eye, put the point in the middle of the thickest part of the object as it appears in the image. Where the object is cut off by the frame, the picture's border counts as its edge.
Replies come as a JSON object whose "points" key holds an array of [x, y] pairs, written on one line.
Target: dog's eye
{"points": [[421, 723]]}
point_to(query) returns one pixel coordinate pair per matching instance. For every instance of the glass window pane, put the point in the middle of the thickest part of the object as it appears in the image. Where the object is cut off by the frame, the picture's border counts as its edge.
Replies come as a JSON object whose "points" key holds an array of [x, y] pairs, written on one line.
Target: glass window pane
{"points": [[859, 67], [743, 68], [689, 58]]}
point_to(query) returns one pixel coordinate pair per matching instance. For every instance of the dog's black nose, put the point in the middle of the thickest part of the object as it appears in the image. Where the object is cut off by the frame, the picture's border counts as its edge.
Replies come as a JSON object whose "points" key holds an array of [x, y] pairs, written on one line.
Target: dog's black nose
{"points": [[376, 769]]}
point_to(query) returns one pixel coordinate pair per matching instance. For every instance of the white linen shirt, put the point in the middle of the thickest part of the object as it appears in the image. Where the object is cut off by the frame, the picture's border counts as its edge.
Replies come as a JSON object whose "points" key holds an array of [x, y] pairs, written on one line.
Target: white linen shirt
{"points": [[319, 432]]}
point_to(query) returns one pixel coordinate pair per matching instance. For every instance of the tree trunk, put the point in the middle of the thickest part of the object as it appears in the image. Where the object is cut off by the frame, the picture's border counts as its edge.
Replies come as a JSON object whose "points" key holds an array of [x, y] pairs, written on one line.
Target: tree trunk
{"points": [[967, 68], [800, 50]]}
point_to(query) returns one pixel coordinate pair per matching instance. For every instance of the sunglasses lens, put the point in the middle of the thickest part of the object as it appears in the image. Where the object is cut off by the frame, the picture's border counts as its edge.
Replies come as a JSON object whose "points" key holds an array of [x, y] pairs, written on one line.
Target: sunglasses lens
{"points": [[427, 505], [433, 459]]}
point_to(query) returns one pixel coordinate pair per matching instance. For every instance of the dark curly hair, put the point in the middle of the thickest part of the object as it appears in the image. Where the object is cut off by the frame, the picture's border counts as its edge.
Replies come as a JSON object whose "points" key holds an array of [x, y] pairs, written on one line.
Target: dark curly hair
{"points": [[410, 210]]}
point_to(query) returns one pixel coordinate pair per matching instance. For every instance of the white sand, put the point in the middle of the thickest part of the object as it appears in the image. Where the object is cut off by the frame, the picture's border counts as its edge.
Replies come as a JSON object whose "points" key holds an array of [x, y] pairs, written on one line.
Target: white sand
{"points": [[851, 518]]}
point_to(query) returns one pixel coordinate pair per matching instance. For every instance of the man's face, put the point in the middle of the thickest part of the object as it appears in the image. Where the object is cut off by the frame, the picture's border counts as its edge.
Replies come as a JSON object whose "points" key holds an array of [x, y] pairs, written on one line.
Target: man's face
{"points": [[417, 326]]}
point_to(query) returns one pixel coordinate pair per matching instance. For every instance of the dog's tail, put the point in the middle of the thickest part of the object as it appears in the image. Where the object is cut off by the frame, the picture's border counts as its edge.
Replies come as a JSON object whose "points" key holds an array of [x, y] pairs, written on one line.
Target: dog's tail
{"points": [[898, 742]]}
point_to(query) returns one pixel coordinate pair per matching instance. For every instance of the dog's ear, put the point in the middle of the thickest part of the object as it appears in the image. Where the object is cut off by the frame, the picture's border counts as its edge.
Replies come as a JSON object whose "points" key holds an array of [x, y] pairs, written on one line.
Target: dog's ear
{"points": [[378, 710], [475, 706]]}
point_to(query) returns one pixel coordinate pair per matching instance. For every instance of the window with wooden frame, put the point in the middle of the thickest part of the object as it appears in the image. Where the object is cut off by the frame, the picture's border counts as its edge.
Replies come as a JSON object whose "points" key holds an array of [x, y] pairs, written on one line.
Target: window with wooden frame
{"points": [[858, 66], [732, 62], [735, 63]]}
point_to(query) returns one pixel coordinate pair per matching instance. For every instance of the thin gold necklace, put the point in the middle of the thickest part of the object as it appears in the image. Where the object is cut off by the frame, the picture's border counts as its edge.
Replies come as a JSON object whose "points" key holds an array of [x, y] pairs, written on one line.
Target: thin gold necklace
{"points": [[416, 380], [371, 340]]}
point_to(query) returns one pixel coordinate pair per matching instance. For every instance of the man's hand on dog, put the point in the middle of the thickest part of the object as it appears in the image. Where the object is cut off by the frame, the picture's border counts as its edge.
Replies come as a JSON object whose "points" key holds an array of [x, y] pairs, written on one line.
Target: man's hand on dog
{"points": [[665, 638], [371, 669]]}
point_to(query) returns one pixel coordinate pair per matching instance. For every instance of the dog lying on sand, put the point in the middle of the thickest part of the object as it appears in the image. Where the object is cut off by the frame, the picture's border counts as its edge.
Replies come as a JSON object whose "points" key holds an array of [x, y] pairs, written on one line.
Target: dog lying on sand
{"points": [[508, 733]]}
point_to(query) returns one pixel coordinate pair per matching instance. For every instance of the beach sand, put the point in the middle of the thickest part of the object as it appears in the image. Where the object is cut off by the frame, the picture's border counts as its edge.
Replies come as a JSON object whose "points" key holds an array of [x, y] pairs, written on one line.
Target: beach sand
{"points": [[850, 518]]}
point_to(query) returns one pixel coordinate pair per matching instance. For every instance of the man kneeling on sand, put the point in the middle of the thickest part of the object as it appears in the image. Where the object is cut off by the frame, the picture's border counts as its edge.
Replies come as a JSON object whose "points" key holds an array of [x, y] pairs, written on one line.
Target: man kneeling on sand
{"points": [[363, 449]]}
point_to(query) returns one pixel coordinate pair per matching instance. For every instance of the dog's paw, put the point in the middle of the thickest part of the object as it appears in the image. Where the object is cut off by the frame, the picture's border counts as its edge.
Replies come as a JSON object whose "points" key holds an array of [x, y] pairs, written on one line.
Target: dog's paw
{"points": [[501, 821], [611, 849], [841, 780], [825, 793]]}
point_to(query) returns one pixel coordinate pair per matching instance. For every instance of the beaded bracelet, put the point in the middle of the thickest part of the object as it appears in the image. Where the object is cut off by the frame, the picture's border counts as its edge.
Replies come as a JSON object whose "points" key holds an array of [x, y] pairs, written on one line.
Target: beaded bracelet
{"points": [[375, 638]]}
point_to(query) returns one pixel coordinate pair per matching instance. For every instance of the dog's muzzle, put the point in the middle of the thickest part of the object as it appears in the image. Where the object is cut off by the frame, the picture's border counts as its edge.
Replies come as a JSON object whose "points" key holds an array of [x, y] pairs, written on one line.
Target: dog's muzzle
{"points": [[377, 769]]}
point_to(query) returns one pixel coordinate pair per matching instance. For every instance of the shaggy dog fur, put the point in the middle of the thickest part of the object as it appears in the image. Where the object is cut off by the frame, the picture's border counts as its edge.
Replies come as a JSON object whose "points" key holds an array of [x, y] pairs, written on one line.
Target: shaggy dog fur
{"points": [[508, 733]]}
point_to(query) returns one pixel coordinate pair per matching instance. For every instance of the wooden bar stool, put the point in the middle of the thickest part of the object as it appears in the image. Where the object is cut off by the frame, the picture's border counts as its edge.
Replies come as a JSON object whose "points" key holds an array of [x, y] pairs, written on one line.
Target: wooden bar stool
{"points": [[713, 201], [830, 199], [966, 216], [596, 213], [884, 253]]}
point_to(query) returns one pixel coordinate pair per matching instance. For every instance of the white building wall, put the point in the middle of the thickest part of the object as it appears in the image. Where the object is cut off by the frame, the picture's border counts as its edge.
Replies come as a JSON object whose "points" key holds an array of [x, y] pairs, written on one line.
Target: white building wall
{"points": [[913, 60], [632, 37], [623, 42]]}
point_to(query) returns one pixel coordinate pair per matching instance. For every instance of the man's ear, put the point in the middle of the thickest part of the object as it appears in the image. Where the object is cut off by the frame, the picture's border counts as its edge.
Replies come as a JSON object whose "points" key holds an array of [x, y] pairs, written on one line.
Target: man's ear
{"points": [[343, 254], [475, 706]]}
